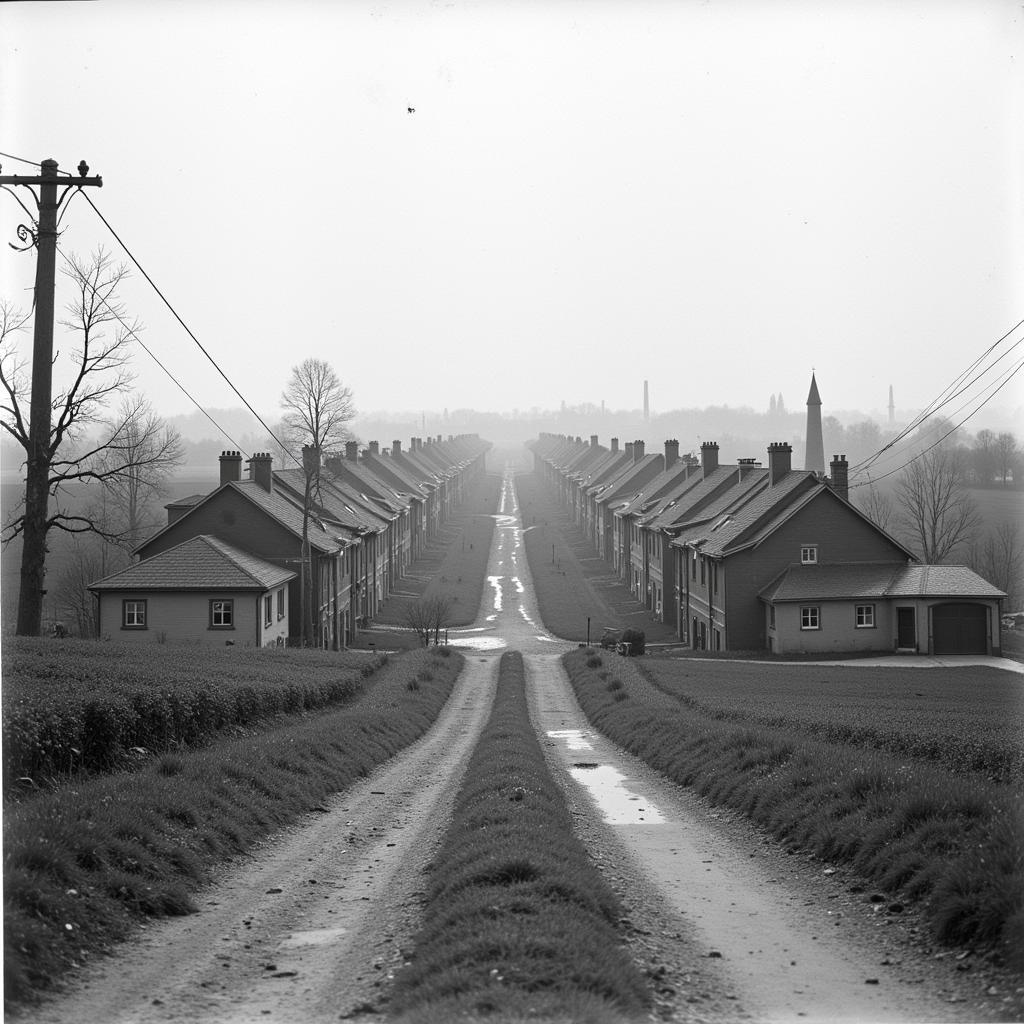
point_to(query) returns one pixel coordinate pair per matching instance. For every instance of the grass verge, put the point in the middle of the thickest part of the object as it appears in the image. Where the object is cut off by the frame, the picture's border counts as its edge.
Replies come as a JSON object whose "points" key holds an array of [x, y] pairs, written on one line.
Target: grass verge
{"points": [[952, 840], [85, 864], [453, 563], [571, 581], [80, 706], [517, 923]]}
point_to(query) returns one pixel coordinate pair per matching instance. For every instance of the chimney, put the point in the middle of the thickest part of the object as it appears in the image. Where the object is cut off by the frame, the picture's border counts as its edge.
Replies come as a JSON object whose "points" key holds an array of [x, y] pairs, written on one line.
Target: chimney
{"points": [[615, 444], [396, 447], [593, 440], [352, 451], [638, 450], [334, 464], [745, 467], [261, 470], [230, 467], [671, 453], [709, 457], [374, 448], [780, 461], [840, 476], [629, 450], [310, 460]]}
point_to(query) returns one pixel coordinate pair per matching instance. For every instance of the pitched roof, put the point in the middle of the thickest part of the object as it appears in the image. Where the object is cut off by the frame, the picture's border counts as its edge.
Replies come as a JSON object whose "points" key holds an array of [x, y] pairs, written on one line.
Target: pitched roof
{"points": [[755, 518], [877, 580], [199, 563], [659, 487]]}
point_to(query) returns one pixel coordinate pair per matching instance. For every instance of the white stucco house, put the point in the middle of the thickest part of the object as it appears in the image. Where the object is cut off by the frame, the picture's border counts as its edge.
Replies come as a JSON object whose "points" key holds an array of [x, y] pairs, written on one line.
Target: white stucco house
{"points": [[203, 591]]}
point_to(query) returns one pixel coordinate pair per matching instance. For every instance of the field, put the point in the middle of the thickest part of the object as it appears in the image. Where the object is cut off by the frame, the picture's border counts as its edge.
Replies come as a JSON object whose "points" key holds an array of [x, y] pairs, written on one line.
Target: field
{"points": [[912, 778]]}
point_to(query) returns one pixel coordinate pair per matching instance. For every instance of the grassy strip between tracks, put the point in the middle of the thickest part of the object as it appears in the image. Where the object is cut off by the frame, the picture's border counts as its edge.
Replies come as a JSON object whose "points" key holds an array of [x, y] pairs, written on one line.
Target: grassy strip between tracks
{"points": [[85, 864], [952, 840], [517, 924]]}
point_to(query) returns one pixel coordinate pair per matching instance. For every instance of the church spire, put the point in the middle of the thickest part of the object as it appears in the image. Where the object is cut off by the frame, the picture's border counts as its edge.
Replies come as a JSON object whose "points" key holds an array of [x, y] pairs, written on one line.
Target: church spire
{"points": [[814, 452]]}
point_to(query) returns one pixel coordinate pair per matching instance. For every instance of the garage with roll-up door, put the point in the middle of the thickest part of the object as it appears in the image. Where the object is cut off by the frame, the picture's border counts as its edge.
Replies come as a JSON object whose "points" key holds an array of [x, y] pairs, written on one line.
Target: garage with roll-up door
{"points": [[960, 628]]}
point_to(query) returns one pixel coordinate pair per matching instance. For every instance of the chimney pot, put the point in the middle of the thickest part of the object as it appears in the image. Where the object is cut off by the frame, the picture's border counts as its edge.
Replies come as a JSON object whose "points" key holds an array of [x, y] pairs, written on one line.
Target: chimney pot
{"points": [[615, 444], [261, 470], [671, 453], [374, 448], [230, 466], [709, 457], [638, 450], [396, 447], [780, 461], [840, 476]]}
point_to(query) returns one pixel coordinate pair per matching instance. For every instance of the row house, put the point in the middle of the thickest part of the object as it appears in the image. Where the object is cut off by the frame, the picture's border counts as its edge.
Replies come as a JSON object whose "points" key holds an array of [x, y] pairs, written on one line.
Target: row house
{"points": [[369, 517], [606, 498], [750, 556]]}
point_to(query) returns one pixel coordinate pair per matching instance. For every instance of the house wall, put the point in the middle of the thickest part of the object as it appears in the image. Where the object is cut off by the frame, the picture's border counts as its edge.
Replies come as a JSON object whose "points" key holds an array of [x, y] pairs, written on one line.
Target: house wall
{"points": [[185, 618], [841, 536], [839, 632]]}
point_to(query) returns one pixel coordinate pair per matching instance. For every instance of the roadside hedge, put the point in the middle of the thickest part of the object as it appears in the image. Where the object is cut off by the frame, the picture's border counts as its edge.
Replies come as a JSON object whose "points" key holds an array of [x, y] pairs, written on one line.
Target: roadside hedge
{"points": [[77, 706]]}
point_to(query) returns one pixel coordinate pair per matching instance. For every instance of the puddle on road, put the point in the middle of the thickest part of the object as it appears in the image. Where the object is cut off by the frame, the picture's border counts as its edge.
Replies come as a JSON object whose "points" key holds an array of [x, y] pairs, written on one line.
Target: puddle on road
{"points": [[495, 582], [575, 739], [478, 643], [619, 805], [317, 937], [605, 784]]}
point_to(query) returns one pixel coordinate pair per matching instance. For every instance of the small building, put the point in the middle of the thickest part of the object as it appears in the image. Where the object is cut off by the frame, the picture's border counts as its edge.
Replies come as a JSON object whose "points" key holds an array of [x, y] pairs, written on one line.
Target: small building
{"points": [[203, 591], [881, 607]]}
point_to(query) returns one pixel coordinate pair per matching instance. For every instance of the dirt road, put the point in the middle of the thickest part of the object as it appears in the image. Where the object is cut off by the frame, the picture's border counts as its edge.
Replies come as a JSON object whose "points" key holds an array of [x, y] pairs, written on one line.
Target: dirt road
{"points": [[309, 928]]}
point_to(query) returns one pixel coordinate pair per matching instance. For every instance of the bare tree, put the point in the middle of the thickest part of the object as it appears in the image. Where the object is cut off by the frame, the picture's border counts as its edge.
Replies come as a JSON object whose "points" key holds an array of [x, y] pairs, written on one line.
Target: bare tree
{"points": [[999, 558], [428, 616], [89, 560], [934, 505], [138, 453], [877, 505], [95, 374], [317, 407], [1007, 458]]}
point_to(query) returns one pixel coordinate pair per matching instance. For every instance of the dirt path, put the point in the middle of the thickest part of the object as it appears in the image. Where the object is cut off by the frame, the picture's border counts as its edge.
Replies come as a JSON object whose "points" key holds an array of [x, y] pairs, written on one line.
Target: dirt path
{"points": [[308, 928], [726, 924]]}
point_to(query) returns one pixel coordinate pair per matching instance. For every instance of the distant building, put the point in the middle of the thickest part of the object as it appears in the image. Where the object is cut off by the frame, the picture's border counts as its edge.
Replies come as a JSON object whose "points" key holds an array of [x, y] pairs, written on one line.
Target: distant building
{"points": [[814, 455]]}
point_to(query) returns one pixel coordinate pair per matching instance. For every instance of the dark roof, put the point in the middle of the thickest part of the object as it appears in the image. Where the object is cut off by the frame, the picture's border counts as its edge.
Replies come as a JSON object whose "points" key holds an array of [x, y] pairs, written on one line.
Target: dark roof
{"points": [[199, 563], [878, 580]]}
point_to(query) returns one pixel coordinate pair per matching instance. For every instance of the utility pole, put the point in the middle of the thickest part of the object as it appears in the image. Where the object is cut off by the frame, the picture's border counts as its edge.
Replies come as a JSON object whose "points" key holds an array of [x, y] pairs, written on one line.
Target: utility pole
{"points": [[40, 454]]}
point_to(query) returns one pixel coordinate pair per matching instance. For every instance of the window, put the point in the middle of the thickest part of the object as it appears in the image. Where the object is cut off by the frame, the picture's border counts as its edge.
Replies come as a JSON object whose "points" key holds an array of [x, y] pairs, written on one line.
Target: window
{"points": [[809, 554], [771, 616], [222, 614], [268, 609], [703, 570], [865, 616], [133, 614], [693, 567], [280, 603], [810, 617]]}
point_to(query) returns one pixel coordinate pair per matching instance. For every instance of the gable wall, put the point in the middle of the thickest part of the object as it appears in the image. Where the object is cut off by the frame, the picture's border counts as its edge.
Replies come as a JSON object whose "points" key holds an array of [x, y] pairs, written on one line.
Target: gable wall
{"points": [[841, 536]]}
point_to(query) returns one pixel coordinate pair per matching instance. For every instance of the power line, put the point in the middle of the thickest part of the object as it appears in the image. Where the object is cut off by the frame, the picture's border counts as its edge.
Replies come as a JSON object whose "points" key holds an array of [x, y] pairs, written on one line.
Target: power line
{"points": [[1007, 377], [31, 163], [188, 331], [952, 391], [134, 335]]}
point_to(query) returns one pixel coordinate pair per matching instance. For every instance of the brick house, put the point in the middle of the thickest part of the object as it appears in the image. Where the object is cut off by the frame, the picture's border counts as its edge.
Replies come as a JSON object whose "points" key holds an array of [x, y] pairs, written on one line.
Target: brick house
{"points": [[202, 591]]}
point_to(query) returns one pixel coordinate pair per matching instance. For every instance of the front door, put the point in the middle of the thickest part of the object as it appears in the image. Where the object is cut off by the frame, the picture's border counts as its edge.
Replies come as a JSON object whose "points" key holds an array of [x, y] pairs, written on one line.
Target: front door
{"points": [[906, 628]]}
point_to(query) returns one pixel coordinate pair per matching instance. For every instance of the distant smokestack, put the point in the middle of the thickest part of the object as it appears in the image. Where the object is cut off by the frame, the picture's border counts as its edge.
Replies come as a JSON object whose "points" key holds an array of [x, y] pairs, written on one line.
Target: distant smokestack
{"points": [[892, 408], [647, 404]]}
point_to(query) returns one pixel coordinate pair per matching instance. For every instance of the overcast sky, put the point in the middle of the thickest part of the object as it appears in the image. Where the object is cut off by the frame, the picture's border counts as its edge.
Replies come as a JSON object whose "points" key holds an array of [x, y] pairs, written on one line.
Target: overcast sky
{"points": [[715, 196]]}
